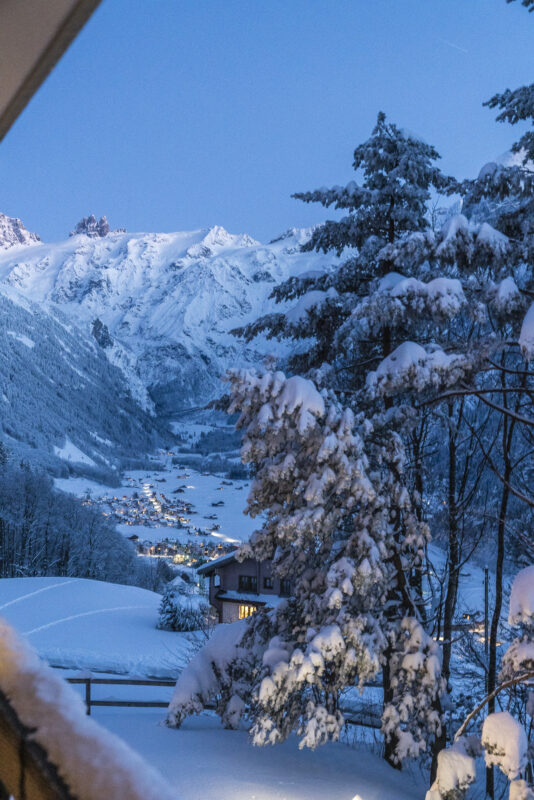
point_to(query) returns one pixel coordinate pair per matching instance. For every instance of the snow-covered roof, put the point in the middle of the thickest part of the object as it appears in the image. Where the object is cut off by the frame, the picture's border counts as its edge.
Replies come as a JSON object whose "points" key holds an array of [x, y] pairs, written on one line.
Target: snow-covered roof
{"points": [[205, 569]]}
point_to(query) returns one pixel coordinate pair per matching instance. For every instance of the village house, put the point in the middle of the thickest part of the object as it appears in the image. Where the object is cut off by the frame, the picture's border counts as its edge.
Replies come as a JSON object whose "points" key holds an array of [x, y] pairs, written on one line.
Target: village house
{"points": [[238, 588]]}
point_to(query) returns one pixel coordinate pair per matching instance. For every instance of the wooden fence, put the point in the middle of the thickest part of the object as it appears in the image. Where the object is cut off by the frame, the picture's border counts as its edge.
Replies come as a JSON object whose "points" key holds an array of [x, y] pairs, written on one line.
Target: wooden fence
{"points": [[363, 720], [90, 703]]}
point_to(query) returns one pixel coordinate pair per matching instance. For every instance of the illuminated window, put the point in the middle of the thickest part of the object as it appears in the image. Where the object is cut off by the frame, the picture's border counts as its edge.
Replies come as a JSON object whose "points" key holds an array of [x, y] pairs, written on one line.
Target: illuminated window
{"points": [[246, 611]]}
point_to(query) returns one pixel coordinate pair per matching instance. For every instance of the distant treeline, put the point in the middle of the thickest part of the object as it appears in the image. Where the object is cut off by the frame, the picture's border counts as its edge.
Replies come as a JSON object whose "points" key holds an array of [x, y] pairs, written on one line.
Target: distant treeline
{"points": [[45, 532]]}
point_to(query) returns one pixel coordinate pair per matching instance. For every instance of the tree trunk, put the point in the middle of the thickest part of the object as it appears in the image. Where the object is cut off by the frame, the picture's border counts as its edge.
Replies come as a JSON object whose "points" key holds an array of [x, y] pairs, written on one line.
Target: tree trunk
{"points": [[452, 577], [507, 438]]}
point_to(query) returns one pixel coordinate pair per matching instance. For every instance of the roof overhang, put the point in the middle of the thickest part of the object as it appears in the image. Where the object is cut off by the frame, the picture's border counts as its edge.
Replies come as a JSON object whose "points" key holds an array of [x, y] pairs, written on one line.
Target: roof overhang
{"points": [[211, 566], [34, 34]]}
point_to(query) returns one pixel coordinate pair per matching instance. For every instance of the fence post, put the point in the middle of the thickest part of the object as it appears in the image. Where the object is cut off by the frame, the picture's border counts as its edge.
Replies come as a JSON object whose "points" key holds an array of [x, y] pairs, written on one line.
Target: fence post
{"points": [[88, 696]]}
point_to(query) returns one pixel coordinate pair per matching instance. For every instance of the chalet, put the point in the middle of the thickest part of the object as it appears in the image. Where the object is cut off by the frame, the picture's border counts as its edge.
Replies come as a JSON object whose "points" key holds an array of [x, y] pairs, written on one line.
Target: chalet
{"points": [[238, 588]]}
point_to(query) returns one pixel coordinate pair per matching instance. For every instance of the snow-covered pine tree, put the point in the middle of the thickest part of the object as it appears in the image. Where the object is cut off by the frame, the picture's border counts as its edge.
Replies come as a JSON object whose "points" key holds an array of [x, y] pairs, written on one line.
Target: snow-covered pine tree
{"points": [[398, 172], [167, 609], [324, 483], [180, 609], [350, 323]]}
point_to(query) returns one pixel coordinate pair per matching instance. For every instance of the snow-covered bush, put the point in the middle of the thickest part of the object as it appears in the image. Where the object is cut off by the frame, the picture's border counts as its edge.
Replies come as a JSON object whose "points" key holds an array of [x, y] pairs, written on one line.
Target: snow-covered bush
{"points": [[182, 610]]}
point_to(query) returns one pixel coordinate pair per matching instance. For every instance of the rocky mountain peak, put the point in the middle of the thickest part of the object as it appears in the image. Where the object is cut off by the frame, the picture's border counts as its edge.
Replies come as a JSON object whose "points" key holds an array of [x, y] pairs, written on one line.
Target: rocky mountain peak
{"points": [[13, 232], [89, 226]]}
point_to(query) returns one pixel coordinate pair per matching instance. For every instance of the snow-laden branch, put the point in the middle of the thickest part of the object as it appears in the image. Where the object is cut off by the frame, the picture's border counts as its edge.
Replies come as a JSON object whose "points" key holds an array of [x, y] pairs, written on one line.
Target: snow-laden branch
{"points": [[526, 676]]}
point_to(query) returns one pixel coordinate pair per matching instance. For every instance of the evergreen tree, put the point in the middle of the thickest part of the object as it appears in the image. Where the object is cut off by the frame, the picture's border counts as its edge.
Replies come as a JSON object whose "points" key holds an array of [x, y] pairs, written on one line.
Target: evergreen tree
{"points": [[324, 482], [167, 610], [398, 173], [356, 316], [181, 611]]}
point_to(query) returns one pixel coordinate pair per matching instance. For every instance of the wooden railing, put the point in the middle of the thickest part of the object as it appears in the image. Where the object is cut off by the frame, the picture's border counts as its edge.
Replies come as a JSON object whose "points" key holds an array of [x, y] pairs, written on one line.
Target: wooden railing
{"points": [[25, 771], [90, 703], [364, 720]]}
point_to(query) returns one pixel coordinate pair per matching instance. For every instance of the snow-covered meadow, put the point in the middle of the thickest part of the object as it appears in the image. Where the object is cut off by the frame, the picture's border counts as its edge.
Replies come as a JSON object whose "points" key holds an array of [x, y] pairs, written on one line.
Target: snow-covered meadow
{"points": [[203, 760], [92, 625]]}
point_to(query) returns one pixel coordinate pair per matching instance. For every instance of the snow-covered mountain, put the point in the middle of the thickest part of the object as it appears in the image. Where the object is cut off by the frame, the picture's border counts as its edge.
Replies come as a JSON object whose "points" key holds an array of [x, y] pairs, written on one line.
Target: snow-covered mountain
{"points": [[63, 405], [13, 232], [162, 305]]}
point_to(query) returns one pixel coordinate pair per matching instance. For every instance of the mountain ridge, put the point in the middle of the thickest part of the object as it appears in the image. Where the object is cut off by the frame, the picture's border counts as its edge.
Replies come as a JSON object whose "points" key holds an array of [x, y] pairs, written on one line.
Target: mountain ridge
{"points": [[167, 300]]}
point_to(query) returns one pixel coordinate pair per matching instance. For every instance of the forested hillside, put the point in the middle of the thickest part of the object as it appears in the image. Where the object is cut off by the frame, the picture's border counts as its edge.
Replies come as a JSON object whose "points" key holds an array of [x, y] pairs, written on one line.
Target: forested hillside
{"points": [[64, 406]]}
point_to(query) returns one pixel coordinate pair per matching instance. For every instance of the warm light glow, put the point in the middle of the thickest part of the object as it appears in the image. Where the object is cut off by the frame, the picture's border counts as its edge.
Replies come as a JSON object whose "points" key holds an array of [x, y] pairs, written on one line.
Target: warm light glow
{"points": [[246, 611]]}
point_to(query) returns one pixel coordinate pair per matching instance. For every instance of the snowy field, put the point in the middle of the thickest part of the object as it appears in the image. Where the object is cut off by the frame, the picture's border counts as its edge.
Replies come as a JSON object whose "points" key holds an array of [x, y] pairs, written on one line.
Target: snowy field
{"points": [[199, 489], [203, 760], [92, 625], [100, 627]]}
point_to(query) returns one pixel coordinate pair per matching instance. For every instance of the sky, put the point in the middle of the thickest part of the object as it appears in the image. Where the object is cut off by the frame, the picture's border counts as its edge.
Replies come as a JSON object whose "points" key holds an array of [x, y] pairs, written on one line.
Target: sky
{"points": [[171, 115]]}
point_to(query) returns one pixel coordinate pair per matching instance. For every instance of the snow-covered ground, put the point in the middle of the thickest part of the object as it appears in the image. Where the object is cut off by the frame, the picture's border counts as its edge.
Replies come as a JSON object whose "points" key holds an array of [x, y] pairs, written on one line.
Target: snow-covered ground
{"points": [[203, 760], [69, 452], [201, 490], [92, 625]]}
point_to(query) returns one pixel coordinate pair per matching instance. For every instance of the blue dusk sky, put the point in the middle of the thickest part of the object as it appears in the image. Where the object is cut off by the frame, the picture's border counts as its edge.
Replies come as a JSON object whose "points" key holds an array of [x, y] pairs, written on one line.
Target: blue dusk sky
{"points": [[180, 114]]}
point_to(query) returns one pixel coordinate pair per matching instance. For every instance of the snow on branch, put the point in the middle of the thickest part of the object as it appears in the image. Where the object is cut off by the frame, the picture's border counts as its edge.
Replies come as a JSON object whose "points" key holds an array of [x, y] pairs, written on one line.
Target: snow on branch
{"points": [[202, 679], [505, 743], [522, 598], [399, 299], [411, 367], [526, 337]]}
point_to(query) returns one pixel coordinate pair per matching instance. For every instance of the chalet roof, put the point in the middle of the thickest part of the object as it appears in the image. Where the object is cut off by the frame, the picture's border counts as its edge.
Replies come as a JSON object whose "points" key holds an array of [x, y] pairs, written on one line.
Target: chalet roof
{"points": [[205, 569]]}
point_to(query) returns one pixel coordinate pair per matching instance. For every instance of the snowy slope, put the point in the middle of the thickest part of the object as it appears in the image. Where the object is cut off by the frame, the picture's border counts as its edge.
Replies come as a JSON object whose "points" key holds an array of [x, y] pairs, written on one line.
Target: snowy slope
{"points": [[93, 625], [61, 400], [168, 301]]}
